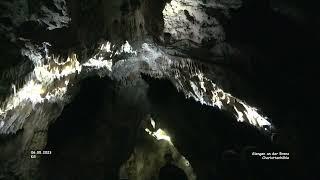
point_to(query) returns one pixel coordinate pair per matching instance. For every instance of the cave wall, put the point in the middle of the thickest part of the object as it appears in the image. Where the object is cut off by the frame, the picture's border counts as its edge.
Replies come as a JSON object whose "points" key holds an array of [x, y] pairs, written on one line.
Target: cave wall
{"points": [[267, 51]]}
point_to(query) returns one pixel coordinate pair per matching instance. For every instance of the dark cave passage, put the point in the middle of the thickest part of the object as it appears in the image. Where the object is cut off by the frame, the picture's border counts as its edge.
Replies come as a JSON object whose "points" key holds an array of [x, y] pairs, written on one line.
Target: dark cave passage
{"points": [[282, 50], [74, 120], [93, 135], [211, 139]]}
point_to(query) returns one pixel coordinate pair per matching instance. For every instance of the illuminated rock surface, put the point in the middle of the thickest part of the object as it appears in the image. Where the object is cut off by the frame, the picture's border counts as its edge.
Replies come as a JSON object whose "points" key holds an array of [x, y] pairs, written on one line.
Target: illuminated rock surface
{"points": [[221, 77]]}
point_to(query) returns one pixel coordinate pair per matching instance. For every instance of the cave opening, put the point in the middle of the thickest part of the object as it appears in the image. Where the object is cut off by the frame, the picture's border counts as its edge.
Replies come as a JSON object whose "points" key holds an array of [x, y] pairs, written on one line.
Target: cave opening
{"points": [[95, 134], [87, 139], [210, 138]]}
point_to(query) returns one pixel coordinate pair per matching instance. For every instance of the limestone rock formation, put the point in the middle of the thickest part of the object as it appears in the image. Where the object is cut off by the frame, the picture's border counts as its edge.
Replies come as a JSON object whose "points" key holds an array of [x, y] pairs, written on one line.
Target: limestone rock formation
{"points": [[222, 77]]}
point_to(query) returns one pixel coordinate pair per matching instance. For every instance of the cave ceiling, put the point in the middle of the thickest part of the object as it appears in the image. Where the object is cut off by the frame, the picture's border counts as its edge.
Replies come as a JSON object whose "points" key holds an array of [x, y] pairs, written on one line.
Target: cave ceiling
{"points": [[224, 55]]}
